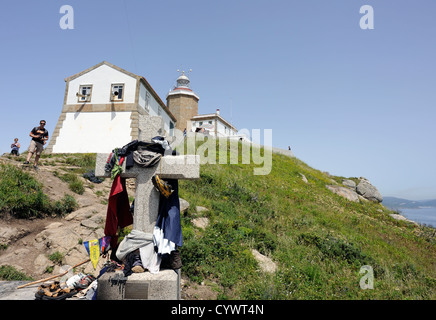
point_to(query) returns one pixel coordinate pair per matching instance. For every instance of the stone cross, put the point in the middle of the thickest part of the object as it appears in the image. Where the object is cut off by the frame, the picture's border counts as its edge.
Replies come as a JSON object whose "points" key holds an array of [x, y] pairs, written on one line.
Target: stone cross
{"points": [[164, 285], [169, 167]]}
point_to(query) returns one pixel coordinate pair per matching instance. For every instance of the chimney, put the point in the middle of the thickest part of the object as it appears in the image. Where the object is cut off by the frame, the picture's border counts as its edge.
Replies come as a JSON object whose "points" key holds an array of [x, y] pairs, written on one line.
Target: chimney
{"points": [[217, 111]]}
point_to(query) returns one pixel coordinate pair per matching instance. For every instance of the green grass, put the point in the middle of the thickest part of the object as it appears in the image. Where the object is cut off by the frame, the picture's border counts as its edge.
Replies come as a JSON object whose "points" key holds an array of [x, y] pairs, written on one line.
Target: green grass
{"points": [[22, 196], [9, 273], [56, 257], [74, 183], [318, 239]]}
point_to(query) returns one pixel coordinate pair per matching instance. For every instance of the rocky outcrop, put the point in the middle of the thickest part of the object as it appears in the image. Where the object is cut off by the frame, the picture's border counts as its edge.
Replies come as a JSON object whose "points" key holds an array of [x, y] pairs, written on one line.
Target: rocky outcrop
{"points": [[364, 190], [368, 191], [344, 192], [349, 184], [402, 218], [9, 235]]}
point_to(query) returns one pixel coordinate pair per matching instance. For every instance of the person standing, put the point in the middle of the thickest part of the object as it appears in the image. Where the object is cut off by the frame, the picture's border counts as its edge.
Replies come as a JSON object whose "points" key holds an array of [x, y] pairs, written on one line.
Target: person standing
{"points": [[15, 147], [39, 138]]}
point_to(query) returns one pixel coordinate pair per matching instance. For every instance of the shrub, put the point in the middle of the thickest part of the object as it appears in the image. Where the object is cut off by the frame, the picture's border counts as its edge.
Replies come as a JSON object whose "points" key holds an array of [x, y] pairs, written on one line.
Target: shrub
{"points": [[339, 249], [77, 186], [74, 182], [56, 257], [64, 206], [221, 252], [85, 161], [20, 194], [9, 273]]}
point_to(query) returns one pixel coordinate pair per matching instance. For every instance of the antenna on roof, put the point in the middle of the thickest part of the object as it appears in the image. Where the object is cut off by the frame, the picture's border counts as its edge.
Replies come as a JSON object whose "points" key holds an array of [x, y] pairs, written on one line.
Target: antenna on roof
{"points": [[183, 71]]}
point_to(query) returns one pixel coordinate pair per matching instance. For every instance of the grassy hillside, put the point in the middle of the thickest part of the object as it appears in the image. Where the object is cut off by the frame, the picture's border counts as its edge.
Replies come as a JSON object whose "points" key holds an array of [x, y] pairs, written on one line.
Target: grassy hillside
{"points": [[318, 239]]}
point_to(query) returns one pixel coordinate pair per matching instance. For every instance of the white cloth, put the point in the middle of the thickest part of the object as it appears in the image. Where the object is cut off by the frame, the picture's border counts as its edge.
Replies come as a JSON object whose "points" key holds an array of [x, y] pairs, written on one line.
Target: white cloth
{"points": [[163, 245], [144, 242]]}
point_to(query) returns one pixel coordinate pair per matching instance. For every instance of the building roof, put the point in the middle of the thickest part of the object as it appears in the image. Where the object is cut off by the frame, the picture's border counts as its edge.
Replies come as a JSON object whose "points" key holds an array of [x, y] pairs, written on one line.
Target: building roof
{"points": [[185, 91], [139, 78], [213, 116], [99, 65], [159, 100], [183, 87]]}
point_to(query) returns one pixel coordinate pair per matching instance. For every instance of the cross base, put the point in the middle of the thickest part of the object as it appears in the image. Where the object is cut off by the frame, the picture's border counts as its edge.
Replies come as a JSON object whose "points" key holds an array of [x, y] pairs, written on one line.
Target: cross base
{"points": [[164, 285]]}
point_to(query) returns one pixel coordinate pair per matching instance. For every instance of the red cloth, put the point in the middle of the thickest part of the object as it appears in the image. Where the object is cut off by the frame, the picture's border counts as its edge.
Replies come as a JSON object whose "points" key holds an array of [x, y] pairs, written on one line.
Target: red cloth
{"points": [[118, 210]]}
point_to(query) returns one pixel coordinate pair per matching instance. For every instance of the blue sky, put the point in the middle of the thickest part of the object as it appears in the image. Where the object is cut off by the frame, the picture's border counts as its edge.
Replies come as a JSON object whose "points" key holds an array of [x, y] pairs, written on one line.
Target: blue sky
{"points": [[348, 101]]}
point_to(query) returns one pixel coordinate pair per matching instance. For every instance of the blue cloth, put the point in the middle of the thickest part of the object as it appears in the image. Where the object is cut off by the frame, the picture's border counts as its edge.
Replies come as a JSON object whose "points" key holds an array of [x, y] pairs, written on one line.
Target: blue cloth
{"points": [[169, 215]]}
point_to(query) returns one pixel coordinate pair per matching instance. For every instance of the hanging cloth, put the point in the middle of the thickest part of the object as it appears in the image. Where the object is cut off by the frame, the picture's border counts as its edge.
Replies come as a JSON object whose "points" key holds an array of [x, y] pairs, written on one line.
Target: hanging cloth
{"points": [[167, 234], [118, 211]]}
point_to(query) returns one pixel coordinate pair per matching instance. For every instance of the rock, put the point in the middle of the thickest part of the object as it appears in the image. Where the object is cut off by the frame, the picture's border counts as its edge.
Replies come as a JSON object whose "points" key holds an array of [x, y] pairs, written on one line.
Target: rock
{"points": [[333, 181], [303, 177], [80, 214], [402, 218], [41, 263], [54, 225], [349, 184], [201, 209], [87, 212], [9, 291], [184, 205], [344, 192], [362, 198], [9, 235], [60, 239], [88, 223], [265, 263], [85, 201], [201, 222], [22, 251], [368, 191]]}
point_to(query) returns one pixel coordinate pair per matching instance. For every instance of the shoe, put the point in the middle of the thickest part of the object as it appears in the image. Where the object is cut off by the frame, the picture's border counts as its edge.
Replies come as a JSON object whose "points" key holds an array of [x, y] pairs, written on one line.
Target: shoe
{"points": [[54, 292], [62, 294], [85, 282], [138, 269], [35, 167], [26, 162], [164, 188], [171, 261], [175, 260]]}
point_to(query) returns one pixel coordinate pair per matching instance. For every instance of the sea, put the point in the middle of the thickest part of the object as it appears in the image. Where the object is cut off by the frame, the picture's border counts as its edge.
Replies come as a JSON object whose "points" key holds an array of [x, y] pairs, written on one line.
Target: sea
{"points": [[424, 215]]}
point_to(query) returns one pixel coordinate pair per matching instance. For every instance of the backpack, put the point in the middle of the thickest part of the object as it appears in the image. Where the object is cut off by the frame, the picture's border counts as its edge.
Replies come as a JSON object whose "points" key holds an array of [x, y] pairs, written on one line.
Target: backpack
{"points": [[146, 158]]}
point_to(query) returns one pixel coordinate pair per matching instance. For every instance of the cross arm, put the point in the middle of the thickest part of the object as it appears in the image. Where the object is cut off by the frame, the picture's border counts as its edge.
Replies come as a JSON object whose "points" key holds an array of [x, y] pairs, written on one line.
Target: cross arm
{"points": [[185, 167]]}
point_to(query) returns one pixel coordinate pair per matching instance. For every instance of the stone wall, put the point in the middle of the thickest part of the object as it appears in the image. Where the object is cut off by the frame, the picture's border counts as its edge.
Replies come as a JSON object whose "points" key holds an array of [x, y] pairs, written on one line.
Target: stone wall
{"points": [[183, 107]]}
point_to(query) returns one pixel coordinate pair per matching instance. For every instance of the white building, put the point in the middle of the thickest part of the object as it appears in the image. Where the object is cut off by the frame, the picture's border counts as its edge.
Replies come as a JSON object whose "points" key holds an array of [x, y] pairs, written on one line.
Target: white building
{"points": [[183, 103], [101, 110], [213, 124], [103, 105]]}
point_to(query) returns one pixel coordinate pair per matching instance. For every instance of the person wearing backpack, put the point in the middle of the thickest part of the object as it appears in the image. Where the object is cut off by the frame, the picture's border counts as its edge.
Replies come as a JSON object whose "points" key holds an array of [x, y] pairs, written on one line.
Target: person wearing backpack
{"points": [[39, 138]]}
